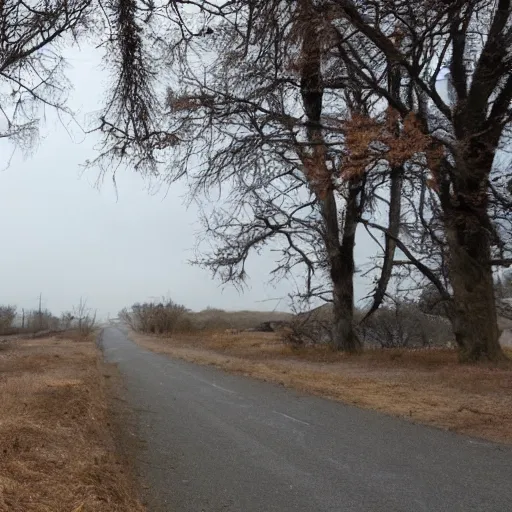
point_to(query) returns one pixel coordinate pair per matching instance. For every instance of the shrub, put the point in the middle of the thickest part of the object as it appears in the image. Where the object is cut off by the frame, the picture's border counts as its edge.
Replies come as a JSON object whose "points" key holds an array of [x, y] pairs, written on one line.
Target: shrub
{"points": [[160, 318], [83, 319], [404, 325], [43, 320], [309, 328], [7, 317]]}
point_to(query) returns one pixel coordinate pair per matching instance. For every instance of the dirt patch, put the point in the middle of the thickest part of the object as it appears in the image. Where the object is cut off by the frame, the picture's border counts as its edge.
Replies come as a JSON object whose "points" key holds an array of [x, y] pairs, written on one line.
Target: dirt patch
{"points": [[426, 386], [57, 452]]}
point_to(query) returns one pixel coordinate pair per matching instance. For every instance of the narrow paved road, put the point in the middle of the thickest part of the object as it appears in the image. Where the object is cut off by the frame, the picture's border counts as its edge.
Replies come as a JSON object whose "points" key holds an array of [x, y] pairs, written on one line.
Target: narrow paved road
{"points": [[217, 442]]}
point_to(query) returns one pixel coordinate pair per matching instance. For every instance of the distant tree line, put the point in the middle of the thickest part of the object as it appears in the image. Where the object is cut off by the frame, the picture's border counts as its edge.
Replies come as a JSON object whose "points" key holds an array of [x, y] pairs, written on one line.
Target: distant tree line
{"points": [[14, 321]]}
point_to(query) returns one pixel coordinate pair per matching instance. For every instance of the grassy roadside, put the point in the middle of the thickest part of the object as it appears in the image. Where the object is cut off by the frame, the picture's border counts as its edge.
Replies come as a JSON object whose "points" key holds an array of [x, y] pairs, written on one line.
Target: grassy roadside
{"points": [[425, 386], [57, 452]]}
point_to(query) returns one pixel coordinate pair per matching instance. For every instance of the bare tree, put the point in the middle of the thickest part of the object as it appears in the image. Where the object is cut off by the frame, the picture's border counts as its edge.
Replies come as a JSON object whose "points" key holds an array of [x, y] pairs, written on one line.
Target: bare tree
{"points": [[84, 318], [320, 171], [32, 35], [266, 136], [66, 320], [275, 136], [284, 110], [472, 40], [143, 45]]}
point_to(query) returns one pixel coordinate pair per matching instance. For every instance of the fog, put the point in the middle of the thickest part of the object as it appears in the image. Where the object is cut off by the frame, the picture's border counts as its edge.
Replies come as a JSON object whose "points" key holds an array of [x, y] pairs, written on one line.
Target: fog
{"points": [[66, 238]]}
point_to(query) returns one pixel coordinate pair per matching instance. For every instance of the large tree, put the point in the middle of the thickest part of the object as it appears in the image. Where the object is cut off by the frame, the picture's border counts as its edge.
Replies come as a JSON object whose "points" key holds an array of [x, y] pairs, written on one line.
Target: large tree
{"points": [[390, 52], [472, 41], [263, 123]]}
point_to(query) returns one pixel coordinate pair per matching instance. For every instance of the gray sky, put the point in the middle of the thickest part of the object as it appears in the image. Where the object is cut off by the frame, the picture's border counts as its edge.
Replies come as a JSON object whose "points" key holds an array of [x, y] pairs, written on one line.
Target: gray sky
{"points": [[65, 238]]}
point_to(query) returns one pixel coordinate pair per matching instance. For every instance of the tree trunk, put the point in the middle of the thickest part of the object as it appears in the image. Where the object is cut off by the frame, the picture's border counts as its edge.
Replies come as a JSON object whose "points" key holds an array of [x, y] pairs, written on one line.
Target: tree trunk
{"points": [[342, 267], [340, 256], [468, 235], [394, 216], [474, 317]]}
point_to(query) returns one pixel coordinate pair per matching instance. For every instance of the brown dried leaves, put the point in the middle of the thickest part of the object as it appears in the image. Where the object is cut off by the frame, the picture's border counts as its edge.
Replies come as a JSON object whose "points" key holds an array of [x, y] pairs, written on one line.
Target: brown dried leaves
{"points": [[395, 141]]}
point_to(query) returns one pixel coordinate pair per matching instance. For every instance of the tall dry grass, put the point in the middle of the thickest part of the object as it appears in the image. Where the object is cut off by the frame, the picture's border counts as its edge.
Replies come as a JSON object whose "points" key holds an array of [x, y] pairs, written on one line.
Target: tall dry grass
{"points": [[57, 451]]}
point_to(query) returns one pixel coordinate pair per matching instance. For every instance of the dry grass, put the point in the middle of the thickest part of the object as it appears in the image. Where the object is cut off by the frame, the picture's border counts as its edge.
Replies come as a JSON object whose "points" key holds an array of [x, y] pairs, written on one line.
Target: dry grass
{"points": [[57, 452], [220, 319], [426, 386]]}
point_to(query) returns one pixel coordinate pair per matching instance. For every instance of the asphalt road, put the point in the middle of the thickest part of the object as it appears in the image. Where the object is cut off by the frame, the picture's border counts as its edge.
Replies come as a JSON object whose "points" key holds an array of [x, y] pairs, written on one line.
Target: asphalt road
{"points": [[217, 442]]}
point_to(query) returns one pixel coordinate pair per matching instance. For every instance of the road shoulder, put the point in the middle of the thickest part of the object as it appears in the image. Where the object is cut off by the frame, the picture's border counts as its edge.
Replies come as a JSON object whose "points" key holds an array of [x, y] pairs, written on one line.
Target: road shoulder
{"points": [[56, 430]]}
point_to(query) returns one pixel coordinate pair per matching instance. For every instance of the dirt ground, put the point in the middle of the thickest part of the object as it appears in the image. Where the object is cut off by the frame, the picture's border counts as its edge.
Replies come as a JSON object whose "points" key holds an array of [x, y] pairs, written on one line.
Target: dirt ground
{"points": [[57, 451], [425, 386]]}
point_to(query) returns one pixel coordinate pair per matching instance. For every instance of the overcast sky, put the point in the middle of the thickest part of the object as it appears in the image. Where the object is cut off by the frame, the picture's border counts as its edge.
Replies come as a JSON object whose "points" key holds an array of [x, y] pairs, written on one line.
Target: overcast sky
{"points": [[64, 238]]}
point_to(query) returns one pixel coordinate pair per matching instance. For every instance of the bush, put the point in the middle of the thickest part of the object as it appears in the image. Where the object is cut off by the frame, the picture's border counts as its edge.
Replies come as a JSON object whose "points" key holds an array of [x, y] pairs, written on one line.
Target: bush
{"points": [[401, 324], [404, 325], [309, 328], [160, 318], [35, 321], [7, 317], [82, 318]]}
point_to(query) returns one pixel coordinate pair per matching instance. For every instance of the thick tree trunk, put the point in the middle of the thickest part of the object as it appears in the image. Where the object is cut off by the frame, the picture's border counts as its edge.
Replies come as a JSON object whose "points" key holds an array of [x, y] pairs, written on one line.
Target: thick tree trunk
{"points": [[468, 235], [342, 267], [340, 256], [474, 317]]}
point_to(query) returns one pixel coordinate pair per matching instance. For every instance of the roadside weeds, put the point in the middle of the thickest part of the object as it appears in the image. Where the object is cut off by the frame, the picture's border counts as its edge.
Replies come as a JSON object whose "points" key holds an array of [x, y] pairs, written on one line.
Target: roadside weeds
{"points": [[424, 386], [57, 452]]}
